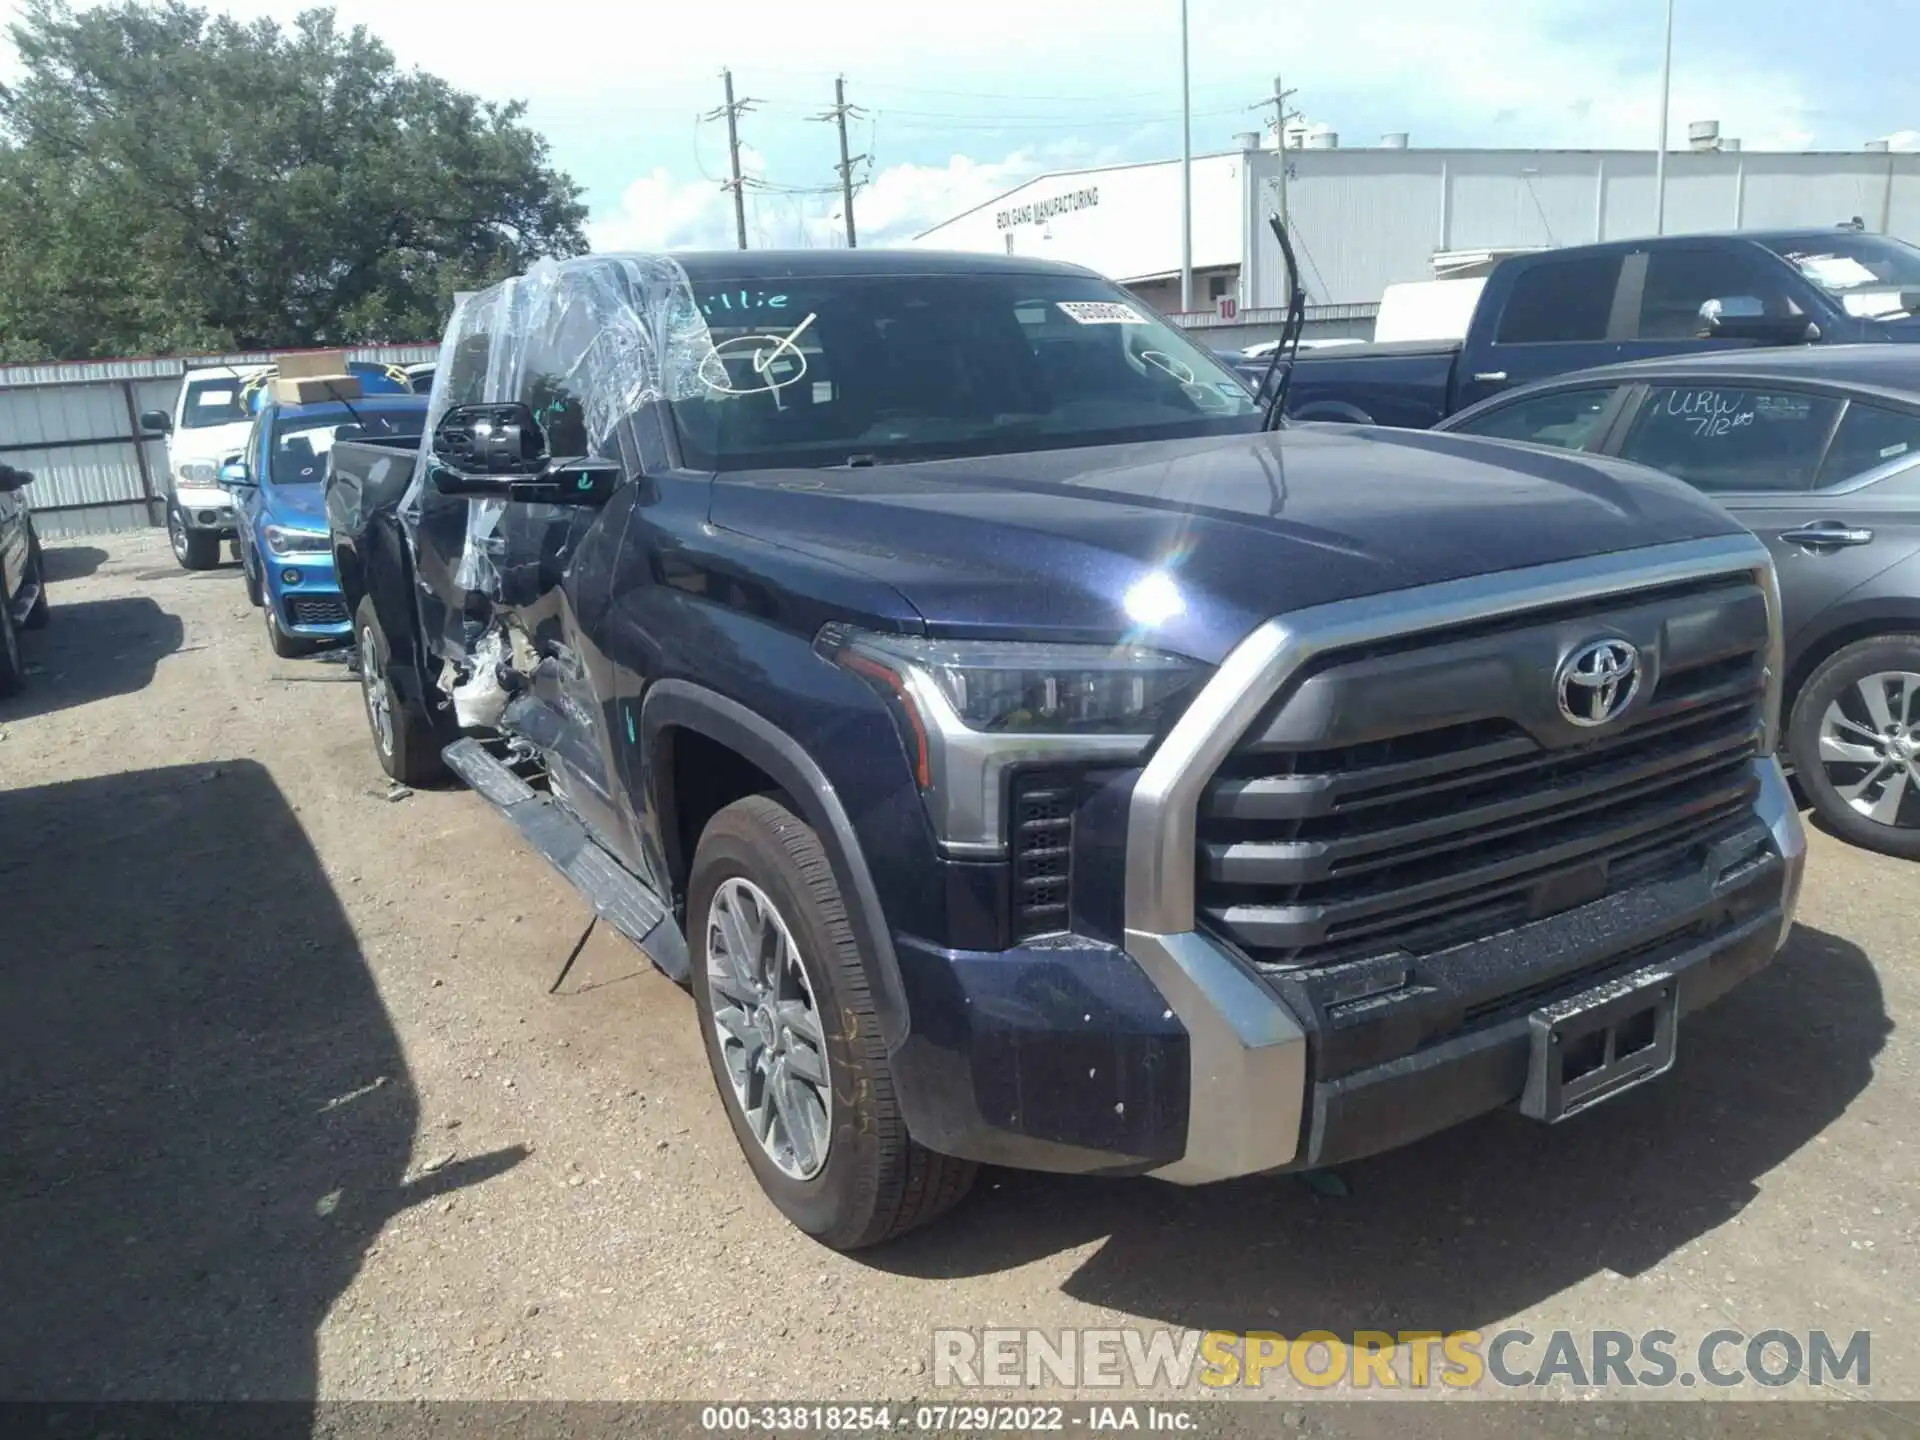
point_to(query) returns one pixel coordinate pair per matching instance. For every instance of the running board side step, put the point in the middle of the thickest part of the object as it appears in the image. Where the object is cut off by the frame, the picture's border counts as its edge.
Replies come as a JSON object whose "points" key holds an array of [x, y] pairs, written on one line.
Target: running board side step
{"points": [[613, 891]]}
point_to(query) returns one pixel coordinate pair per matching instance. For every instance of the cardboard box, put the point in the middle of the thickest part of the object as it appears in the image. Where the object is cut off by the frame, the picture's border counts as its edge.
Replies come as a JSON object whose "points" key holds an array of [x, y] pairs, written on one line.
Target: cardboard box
{"points": [[314, 375]]}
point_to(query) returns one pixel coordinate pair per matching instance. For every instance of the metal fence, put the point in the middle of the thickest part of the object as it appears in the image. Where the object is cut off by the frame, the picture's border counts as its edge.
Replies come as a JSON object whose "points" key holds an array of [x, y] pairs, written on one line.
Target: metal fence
{"points": [[76, 426]]}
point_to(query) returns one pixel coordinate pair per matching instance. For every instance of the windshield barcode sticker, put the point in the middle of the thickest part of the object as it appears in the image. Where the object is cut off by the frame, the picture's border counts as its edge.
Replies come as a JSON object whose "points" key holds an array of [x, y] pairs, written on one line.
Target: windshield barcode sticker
{"points": [[1101, 312]]}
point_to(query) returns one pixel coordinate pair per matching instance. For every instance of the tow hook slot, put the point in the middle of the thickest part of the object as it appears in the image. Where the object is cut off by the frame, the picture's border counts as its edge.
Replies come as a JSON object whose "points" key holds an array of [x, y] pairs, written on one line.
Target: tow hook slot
{"points": [[1593, 1046]]}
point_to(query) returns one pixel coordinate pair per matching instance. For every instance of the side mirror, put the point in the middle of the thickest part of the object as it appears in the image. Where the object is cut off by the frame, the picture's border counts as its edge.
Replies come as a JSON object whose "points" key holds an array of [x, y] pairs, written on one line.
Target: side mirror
{"points": [[156, 422], [234, 475], [1744, 317], [12, 479], [499, 452]]}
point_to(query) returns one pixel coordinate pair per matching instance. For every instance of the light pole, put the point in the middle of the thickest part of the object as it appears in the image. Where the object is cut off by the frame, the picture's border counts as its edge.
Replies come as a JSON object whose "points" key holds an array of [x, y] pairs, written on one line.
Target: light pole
{"points": [[1186, 172], [1660, 155]]}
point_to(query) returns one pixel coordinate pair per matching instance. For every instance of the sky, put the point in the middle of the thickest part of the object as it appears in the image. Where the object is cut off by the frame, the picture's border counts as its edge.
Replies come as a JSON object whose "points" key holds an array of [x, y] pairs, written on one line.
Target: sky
{"points": [[961, 101]]}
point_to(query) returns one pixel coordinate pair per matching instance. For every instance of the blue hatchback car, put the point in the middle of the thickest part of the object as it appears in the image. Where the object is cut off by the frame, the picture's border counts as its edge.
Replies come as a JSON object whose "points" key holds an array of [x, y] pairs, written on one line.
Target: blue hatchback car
{"points": [[279, 488]]}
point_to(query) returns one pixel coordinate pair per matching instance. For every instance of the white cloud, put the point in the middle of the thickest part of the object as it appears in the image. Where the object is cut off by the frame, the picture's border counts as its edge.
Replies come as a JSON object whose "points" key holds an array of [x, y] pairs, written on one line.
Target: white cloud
{"points": [[1904, 140], [660, 211]]}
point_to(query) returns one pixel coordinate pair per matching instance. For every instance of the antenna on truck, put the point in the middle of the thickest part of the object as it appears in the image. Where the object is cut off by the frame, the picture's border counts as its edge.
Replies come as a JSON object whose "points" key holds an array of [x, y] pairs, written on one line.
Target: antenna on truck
{"points": [[1290, 332]]}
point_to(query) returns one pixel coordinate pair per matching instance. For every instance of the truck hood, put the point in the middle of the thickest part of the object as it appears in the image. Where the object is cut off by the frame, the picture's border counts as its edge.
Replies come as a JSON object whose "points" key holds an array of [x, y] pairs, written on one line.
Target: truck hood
{"points": [[1188, 544], [211, 444], [299, 507]]}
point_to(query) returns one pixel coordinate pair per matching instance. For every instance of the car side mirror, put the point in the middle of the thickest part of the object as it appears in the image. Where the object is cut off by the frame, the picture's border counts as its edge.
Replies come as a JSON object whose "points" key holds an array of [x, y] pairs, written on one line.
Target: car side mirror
{"points": [[499, 452], [1744, 317], [156, 422], [12, 479], [234, 475]]}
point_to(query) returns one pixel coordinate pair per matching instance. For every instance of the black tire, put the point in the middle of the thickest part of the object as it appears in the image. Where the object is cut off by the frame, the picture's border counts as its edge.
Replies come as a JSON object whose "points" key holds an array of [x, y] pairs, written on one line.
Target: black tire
{"points": [[194, 549], [409, 751], [1838, 682], [876, 1182], [256, 596], [13, 666], [287, 647], [42, 610]]}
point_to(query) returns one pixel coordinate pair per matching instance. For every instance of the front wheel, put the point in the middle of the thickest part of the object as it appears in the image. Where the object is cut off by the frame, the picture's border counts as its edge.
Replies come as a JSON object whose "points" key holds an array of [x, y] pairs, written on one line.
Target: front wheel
{"points": [[793, 1039], [194, 549], [403, 734], [256, 596], [1855, 740]]}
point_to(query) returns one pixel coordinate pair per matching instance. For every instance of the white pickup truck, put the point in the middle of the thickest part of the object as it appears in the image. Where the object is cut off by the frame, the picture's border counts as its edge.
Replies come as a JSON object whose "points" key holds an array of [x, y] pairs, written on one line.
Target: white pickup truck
{"points": [[209, 422]]}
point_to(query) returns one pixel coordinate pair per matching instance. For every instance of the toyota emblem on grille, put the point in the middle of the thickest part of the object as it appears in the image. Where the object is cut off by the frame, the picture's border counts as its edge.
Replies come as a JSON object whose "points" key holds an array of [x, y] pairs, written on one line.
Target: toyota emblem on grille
{"points": [[1598, 681]]}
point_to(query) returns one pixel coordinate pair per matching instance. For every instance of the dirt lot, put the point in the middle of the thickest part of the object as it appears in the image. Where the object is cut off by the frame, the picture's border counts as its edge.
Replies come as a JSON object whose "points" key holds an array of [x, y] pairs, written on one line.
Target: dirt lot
{"points": [[286, 1108]]}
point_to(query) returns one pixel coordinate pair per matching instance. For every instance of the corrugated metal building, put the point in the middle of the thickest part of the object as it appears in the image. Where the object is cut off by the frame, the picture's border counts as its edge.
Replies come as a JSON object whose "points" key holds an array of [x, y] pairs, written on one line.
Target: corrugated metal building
{"points": [[1363, 219], [77, 428]]}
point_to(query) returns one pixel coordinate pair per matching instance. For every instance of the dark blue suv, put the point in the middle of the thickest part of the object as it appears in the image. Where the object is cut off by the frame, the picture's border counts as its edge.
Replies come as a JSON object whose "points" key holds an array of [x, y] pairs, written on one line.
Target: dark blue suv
{"points": [[1028, 755], [278, 488]]}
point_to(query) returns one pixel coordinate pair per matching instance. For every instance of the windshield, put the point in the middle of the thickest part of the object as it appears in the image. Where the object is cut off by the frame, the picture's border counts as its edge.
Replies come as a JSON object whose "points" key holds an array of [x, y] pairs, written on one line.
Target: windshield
{"points": [[867, 369], [301, 442], [213, 402], [1853, 267]]}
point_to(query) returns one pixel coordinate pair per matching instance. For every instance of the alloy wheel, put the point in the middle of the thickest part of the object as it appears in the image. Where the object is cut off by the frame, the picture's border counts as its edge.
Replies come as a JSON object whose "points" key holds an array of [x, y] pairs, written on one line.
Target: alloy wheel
{"points": [[177, 534], [768, 1025], [1870, 747], [373, 684]]}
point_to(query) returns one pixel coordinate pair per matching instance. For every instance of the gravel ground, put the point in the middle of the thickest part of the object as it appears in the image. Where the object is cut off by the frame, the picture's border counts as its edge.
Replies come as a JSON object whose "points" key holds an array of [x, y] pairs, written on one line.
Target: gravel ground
{"points": [[287, 1108]]}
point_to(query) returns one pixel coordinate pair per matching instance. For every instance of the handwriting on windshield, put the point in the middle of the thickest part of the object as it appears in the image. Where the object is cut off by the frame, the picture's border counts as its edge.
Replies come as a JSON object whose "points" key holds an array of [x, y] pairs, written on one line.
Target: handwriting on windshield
{"points": [[775, 361], [1709, 413]]}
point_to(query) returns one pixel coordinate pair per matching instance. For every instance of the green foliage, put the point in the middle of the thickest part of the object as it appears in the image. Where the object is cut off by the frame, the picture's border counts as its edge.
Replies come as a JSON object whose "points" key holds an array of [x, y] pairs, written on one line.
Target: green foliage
{"points": [[171, 181]]}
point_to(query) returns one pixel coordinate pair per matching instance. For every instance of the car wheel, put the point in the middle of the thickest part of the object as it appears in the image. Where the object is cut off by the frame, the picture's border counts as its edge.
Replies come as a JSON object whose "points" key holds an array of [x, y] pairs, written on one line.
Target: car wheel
{"points": [[287, 647], [1854, 736], [13, 666], [194, 549], [42, 610], [787, 1014], [255, 595], [403, 734]]}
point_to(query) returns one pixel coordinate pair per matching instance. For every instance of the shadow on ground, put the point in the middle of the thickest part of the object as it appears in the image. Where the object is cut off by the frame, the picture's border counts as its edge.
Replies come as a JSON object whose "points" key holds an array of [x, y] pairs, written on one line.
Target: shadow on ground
{"points": [[205, 1117], [69, 562], [1473, 1225], [90, 650]]}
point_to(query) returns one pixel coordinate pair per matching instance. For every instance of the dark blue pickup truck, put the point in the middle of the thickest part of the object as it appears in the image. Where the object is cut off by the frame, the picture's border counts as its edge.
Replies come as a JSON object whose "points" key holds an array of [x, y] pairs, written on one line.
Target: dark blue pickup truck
{"points": [[1561, 310], [1027, 755]]}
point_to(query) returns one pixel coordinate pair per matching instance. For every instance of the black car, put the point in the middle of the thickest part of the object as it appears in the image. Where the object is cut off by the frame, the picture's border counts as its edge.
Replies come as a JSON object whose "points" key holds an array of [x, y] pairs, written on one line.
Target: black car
{"points": [[23, 590], [1817, 450]]}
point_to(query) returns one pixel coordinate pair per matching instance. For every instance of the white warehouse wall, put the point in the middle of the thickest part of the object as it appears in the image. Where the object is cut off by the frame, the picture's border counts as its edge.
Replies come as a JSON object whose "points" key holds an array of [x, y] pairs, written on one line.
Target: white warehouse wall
{"points": [[1123, 220], [1366, 218]]}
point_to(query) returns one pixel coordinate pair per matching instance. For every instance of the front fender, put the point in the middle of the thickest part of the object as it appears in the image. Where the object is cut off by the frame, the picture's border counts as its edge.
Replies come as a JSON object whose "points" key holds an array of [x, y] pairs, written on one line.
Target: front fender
{"points": [[682, 703]]}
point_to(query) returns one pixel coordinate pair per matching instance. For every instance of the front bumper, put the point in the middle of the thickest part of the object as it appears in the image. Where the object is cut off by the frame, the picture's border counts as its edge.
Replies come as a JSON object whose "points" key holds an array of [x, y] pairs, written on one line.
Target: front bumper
{"points": [[1174, 1058], [305, 592], [206, 508]]}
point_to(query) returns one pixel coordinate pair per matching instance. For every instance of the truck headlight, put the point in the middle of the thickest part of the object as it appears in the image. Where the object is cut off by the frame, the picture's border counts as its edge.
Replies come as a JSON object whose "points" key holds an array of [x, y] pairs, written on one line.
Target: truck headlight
{"points": [[284, 541], [199, 472], [971, 710]]}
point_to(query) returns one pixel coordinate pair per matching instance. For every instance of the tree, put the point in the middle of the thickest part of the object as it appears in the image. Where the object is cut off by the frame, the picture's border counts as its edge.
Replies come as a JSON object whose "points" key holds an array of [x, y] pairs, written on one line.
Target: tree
{"points": [[174, 181]]}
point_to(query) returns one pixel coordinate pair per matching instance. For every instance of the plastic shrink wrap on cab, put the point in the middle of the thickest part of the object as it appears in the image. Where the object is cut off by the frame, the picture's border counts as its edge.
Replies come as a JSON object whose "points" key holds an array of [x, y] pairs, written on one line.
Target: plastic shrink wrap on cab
{"points": [[586, 343]]}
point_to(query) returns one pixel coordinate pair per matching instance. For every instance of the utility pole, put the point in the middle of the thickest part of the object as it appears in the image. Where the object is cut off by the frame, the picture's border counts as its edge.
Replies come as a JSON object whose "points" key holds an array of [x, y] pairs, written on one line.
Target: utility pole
{"points": [[733, 109], [1186, 171], [1281, 114], [838, 114], [1660, 155]]}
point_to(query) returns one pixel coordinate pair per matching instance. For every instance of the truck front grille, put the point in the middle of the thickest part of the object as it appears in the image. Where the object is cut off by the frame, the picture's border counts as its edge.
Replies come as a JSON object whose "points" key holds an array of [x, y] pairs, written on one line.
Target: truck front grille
{"points": [[1042, 852], [1418, 841]]}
